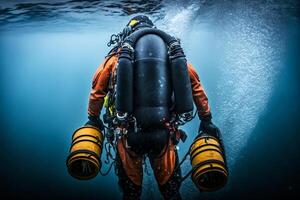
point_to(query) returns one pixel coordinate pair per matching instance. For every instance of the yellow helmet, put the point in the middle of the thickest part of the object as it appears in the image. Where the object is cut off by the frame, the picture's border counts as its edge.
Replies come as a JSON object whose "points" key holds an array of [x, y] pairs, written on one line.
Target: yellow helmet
{"points": [[140, 21]]}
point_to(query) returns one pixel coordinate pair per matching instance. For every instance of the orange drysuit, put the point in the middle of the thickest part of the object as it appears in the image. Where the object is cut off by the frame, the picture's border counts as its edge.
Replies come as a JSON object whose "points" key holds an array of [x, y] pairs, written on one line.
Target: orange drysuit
{"points": [[132, 164]]}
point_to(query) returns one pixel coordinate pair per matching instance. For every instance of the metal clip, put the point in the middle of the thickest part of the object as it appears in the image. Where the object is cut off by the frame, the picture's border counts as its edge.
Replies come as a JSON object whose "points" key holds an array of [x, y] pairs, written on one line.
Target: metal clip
{"points": [[127, 45]]}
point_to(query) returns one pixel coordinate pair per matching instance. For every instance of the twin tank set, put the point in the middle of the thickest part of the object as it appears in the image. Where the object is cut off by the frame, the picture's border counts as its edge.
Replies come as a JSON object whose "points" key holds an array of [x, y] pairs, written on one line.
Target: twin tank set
{"points": [[152, 74]]}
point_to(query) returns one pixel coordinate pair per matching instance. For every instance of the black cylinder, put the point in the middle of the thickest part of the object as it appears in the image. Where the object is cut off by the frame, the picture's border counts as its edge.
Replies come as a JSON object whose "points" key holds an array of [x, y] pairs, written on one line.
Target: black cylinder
{"points": [[124, 92], [152, 88], [179, 70], [181, 85]]}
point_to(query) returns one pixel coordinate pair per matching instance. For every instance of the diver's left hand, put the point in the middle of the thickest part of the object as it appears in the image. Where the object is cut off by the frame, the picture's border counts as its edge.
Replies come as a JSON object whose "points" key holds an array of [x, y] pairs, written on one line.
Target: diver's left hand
{"points": [[208, 127]]}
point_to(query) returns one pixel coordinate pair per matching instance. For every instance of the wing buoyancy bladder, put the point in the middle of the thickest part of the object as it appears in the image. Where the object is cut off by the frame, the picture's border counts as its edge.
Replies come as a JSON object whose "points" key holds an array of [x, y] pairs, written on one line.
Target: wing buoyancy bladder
{"points": [[152, 84], [178, 76]]}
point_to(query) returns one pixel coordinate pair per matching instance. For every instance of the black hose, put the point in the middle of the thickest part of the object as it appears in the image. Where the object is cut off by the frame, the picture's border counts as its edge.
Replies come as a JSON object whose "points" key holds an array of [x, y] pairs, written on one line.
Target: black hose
{"points": [[107, 172]]}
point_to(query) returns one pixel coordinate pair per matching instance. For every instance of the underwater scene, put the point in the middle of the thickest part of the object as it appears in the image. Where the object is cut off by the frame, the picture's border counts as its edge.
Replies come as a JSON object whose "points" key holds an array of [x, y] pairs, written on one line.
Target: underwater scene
{"points": [[245, 53]]}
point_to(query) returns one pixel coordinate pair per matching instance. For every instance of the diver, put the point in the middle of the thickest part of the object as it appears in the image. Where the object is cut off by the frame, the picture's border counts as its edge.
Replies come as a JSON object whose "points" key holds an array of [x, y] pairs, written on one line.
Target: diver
{"points": [[141, 107]]}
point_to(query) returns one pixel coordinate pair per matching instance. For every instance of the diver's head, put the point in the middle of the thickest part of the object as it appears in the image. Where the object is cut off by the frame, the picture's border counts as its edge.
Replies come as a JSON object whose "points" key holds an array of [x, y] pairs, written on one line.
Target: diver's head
{"points": [[137, 22], [140, 21]]}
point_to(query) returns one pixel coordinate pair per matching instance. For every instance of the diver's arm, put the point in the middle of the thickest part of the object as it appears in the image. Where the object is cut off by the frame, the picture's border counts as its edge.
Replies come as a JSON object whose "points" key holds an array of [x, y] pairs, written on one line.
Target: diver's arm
{"points": [[203, 108], [199, 95], [99, 86]]}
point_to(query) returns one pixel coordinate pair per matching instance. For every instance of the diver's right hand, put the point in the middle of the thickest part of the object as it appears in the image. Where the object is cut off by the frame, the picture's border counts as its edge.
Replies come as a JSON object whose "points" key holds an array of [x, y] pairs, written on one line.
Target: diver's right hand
{"points": [[96, 122]]}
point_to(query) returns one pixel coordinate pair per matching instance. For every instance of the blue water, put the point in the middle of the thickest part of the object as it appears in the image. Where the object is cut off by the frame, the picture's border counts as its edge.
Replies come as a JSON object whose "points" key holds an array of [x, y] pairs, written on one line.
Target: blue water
{"points": [[246, 53]]}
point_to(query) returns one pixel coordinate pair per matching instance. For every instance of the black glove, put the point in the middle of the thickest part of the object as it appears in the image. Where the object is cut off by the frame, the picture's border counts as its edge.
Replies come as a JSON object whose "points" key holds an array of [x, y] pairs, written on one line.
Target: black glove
{"points": [[209, 128], [206, 126], [96, 122]]}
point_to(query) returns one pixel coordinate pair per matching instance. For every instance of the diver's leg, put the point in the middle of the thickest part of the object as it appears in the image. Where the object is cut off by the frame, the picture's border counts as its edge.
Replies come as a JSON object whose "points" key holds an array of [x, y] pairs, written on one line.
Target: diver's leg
{"points": [[129, 172], [167, 172], [170, 190]]}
